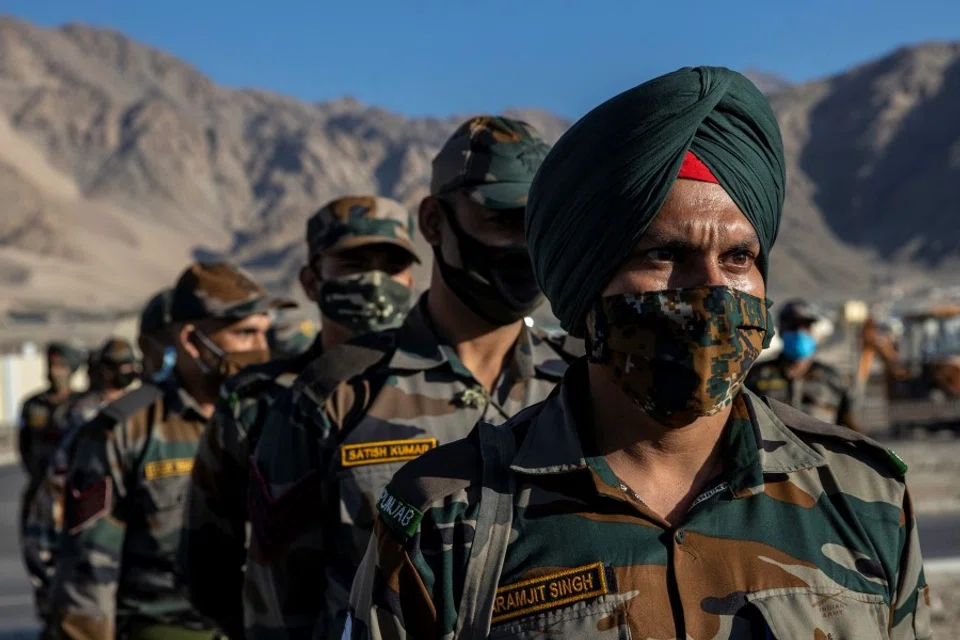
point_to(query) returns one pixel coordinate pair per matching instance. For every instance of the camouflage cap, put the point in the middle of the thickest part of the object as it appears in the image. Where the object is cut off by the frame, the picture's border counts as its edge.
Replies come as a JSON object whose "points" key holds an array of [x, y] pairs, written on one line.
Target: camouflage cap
{"points": [[117, 351], [156, 313], [219, 290], [356, 221], [493, 158]]}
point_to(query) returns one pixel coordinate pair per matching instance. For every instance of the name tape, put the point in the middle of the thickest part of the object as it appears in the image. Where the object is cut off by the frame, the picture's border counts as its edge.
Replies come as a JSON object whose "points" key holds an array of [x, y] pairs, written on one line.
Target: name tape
{"points": [[356, 455], [167, 468], [549, 592]]}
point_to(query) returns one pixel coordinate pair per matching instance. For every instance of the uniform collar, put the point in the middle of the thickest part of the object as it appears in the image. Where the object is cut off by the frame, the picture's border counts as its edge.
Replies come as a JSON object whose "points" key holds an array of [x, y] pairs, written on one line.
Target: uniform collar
{"points": [[177, 401], [757, 444], [419, 348]]}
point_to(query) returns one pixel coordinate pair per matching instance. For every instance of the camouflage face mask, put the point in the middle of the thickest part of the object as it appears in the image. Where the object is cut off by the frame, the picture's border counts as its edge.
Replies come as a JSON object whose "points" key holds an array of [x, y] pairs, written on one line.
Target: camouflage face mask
{"points": [[364, 302], [679, 354]]}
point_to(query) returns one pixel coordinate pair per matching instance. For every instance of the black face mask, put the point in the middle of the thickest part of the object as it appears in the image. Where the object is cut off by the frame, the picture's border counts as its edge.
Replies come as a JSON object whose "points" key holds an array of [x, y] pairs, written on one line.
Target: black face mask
{"points": [[496, 283], [121, 379]]}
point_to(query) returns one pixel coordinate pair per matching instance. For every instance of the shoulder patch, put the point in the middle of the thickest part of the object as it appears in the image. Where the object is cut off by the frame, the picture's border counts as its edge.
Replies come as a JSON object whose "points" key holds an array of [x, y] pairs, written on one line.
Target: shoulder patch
{"points": [[400, 515], [897, 462], [438, 473]]}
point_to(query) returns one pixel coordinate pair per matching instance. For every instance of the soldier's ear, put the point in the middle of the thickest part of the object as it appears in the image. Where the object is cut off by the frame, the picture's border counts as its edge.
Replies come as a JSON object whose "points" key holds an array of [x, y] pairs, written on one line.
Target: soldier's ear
{"points": [[308, 280], [187, 339], [431, 220]]}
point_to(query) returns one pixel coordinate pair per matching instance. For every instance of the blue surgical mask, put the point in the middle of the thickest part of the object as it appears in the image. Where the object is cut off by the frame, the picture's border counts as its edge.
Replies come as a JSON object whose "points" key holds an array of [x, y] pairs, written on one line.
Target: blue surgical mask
{"points": [[798, 345], [169, 363]]}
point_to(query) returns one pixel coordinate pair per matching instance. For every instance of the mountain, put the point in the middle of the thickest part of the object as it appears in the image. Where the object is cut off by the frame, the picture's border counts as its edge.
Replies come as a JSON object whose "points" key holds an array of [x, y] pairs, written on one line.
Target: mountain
{"points": [[119, 163], [768, 83]]}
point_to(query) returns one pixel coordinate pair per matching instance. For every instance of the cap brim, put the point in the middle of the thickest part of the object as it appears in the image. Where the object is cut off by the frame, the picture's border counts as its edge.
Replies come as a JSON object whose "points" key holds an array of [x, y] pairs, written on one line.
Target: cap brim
{"points": [[352, 242], [254, 307], [501, 195]]}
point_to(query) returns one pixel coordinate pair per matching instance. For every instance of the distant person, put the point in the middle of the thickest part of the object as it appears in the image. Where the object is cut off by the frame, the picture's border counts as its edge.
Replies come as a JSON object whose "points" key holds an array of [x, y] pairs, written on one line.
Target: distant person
{"points": [[464, 353], [126, 488], [40, 425], [359, 273], [651, 496], [795, 377], [115, 368]]}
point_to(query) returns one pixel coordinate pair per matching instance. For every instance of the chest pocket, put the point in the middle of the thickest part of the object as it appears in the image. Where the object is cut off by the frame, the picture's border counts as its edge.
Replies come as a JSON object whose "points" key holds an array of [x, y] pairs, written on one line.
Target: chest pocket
{"points": [[582, 602], [600, 618], [824, 614], [364, 469]]}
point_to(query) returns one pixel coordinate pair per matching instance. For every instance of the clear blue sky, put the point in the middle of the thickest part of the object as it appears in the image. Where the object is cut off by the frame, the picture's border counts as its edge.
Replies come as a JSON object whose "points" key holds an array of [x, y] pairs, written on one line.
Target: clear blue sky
{"points": [[458, 56]]}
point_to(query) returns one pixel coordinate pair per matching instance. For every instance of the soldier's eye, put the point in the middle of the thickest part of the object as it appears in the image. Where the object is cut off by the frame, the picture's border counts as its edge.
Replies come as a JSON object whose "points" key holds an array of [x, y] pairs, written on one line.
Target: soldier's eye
{"points": [[661, 254]]}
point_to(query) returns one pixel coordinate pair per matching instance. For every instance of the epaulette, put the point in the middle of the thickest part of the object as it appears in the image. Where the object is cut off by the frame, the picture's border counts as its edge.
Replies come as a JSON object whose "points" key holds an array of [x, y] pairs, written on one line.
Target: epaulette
{"points": [[797, 420], [343, 362], [426, 480], [131, 403]]}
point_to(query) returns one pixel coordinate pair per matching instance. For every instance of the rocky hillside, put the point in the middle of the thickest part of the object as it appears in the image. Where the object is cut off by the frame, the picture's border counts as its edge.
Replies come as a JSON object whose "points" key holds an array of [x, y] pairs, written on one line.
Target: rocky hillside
{"points": [[118, 163]]}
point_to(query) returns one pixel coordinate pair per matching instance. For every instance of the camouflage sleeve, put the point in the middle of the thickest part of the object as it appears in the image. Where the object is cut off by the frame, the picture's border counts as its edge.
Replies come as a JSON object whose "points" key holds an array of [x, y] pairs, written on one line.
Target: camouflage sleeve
{"points": [[88, 561], [44, 518], [911, 606], [410, 582], [213, 544], [285, 584]]}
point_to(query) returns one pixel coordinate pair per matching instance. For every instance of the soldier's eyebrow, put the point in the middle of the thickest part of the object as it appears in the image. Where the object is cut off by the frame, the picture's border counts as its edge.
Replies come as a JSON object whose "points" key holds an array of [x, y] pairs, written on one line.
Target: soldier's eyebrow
{"points": [[663, 240]]}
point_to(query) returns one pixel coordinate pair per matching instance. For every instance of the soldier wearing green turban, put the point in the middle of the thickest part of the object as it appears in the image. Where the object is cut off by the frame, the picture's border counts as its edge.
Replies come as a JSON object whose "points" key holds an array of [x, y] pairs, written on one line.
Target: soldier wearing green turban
{"points": [[652, 496]]}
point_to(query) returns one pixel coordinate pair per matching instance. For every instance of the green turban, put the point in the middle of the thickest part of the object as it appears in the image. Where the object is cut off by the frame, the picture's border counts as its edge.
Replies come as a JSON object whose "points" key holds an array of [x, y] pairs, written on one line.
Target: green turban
{"points": [[605, 180]]}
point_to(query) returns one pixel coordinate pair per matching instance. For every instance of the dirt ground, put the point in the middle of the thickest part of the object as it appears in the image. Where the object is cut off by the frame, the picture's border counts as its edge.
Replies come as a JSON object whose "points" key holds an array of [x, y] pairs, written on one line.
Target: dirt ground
{"points": [[945, 604], [934, 471]]}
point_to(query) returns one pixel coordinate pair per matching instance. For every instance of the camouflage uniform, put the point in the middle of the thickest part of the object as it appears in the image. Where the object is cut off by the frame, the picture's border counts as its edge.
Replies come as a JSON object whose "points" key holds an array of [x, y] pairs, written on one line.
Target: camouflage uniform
{"points": [[44, 512], [42, 424], [126, 488], [320, 468], [821, 391], [325, 454], [214, 537], [44, 517], [529, 529]]}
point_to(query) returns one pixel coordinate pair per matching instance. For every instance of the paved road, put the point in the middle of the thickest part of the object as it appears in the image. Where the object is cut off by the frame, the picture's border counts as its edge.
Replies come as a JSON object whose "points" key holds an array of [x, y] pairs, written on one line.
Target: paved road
{"points": [[940, 540]]}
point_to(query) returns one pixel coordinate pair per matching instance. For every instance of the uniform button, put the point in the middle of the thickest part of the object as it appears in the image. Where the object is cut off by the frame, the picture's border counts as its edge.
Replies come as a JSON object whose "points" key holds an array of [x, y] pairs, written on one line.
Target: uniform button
{"points": [[681, 534]]}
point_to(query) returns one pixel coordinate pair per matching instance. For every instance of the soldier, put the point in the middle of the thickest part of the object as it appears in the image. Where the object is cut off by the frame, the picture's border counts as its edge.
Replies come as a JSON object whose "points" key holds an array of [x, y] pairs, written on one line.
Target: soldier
{"points": [[40, 425], [462, 354], [126, 487], [118, 368], [796, 378], [359, 272], [652, 496]]}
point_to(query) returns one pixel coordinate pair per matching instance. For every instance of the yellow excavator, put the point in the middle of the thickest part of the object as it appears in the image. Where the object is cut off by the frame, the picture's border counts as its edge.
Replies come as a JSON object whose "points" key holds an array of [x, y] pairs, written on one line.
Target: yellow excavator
{"points": [[921, 368]]}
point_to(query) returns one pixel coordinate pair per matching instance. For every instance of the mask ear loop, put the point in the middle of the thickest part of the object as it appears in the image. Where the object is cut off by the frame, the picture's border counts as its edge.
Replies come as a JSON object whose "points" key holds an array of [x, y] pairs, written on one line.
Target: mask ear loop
{"points": [[213, 348]]}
